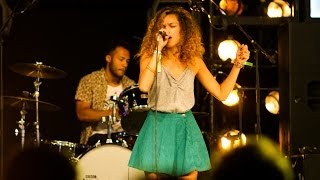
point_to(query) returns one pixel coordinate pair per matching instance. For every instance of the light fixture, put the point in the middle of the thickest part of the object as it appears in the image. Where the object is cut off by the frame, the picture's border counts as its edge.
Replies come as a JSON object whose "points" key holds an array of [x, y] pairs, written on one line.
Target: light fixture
{"points": [[227, 49], [232, 7], [272, 102], [314, 8], [232, 139], [279, 8], [232, 99]]}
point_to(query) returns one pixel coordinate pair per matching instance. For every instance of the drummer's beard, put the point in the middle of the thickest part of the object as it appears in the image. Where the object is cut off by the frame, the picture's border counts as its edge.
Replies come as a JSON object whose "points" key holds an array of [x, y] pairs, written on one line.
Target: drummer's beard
{"points": [[116, 72]]}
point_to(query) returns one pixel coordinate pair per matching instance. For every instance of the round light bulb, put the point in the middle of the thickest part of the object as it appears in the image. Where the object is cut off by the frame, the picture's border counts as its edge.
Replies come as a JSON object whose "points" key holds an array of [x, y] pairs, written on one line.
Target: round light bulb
{"points": [[272, 102], [227, 49]]}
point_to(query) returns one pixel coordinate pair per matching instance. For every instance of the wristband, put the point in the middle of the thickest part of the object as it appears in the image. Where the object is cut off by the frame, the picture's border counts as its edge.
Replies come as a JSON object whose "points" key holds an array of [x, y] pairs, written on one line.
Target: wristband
{"points": [[238, 64]]}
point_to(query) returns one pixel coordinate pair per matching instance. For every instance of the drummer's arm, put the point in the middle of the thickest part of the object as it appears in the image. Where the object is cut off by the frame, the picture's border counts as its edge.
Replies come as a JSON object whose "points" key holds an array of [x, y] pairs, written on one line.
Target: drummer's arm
{"points": [[86, 113]]}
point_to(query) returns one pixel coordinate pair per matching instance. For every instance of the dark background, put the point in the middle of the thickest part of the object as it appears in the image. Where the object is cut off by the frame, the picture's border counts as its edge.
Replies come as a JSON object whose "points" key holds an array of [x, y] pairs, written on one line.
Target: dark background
{"points": [[70, 35]]}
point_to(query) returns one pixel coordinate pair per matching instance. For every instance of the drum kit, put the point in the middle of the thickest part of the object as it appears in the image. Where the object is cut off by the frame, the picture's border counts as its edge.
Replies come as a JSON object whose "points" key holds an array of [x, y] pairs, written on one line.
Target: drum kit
{"points": [[102, 162], [110, 161]]}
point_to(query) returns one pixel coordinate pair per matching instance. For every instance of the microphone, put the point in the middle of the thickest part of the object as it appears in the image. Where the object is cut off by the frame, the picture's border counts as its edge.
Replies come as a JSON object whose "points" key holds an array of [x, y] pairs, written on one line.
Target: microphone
{"points": [[163, 34]]}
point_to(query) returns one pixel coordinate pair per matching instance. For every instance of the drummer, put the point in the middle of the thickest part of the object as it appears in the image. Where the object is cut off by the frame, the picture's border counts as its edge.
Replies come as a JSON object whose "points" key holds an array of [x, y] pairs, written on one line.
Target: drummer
{"points": [[93, 96]]}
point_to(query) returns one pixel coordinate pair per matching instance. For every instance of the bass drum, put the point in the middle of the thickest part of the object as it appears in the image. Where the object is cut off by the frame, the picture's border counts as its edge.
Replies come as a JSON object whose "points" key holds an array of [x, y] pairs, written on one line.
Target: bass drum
{"points": [[107, 162]]}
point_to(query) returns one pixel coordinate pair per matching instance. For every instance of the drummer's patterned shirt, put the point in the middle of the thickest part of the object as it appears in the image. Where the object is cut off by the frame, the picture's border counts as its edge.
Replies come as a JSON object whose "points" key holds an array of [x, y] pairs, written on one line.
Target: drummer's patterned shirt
{"points": [[93, 88]]}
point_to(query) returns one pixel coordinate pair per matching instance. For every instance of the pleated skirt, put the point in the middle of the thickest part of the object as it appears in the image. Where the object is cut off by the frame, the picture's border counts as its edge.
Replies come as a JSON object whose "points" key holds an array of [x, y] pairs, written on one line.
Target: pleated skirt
{"points": [[170, 143]]}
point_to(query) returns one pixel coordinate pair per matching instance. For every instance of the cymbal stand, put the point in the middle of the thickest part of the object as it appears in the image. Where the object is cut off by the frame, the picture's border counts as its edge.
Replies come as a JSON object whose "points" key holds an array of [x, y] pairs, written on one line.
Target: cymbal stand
{"points": [[36, 95], [21, 126]]}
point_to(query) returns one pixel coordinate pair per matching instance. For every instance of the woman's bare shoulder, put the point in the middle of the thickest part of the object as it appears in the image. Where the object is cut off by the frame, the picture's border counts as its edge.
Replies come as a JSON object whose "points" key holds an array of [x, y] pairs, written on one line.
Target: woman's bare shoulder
{"points": [[196, 64]]}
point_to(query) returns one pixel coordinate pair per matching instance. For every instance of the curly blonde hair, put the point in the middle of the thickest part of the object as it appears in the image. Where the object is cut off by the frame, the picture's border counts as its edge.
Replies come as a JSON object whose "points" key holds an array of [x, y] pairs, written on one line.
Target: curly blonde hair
{"points": [[191, 44]]}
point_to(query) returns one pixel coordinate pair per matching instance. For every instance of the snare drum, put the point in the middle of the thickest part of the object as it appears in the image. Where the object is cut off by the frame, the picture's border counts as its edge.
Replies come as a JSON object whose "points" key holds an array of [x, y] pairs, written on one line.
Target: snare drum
{"points": [[133, 109], [107, 162]]}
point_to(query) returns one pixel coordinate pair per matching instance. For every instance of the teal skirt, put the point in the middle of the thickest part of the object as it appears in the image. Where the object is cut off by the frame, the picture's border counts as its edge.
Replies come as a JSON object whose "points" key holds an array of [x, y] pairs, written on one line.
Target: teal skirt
{"points": [[171, 144]]}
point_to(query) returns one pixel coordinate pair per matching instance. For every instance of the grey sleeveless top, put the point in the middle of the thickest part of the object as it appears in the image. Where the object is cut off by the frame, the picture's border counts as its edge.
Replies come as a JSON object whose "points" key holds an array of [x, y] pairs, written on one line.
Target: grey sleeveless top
{"points": [[174, 95]]}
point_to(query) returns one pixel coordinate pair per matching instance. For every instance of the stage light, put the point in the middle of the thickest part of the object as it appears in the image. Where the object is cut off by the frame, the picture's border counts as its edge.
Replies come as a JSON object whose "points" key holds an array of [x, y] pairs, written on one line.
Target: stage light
{"points": [[314, 8], [232, 7], [272, 102], [227, 49], [232, 99], [232, 139], [279, 8]]}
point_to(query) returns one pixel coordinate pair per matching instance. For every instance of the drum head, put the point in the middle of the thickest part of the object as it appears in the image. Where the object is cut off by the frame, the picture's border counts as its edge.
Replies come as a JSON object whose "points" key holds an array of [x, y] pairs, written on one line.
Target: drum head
{"points": [[107, 162]]}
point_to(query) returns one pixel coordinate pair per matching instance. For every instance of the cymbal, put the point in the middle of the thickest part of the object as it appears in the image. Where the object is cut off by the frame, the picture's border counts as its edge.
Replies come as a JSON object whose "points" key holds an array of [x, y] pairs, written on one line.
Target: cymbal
{"points": [[29, 104], [38, 70]]}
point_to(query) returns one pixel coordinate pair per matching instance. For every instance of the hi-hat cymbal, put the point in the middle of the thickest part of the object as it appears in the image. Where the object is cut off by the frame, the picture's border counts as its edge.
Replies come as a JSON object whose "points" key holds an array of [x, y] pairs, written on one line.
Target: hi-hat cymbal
{"points": [[28, 104], [38, 70]]}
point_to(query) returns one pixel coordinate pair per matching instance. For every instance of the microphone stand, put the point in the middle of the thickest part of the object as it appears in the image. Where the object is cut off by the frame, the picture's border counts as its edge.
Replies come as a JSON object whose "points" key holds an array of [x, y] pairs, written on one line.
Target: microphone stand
{"points": [[158, 69], [257, 49]]}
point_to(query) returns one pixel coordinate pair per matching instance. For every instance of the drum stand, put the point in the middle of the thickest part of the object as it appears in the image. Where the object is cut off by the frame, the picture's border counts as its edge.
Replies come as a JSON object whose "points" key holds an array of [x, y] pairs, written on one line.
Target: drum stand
{"points": [[112, 118], [37, 70], [21, 126], [110, 122], [36, 94], [23, 113]]}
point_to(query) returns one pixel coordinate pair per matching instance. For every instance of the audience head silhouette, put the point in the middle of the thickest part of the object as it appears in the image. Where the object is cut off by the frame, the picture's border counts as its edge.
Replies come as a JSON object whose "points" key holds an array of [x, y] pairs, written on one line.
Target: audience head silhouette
{"points": [[256, 160], [40, 163]]}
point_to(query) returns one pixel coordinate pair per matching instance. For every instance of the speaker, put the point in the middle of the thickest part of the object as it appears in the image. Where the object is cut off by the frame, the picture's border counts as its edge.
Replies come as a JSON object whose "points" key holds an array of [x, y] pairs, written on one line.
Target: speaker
{"points": [[311, 164], [299, 81]]}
